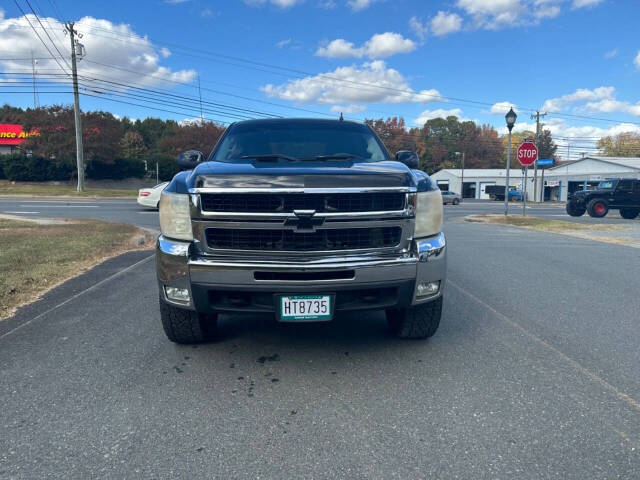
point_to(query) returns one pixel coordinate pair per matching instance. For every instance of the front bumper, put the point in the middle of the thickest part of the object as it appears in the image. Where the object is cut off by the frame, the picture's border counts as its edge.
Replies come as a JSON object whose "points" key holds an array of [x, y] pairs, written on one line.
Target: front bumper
{"points": [[234, 284]]}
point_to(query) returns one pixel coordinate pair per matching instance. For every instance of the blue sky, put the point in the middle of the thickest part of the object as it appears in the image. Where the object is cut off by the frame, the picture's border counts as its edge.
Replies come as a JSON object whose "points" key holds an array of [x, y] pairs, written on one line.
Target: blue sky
{"points": [[368, 58]]}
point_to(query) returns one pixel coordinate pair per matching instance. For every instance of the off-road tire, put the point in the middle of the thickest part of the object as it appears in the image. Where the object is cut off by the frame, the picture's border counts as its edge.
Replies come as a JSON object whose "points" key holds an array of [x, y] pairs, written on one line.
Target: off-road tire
{"points": [[418, 321], [575, 210], [629, 213], [186, 326], [595, 210]]}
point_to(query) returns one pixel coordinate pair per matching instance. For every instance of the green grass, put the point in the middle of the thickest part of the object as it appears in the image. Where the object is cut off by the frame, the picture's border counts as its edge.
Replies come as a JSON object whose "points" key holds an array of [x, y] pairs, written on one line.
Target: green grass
{"points": [[45, 190], [34, 258]]}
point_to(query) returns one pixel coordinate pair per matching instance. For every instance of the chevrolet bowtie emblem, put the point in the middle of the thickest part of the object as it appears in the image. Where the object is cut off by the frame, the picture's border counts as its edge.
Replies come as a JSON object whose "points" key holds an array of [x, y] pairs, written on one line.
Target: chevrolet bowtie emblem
{"points": [[304, 221]]}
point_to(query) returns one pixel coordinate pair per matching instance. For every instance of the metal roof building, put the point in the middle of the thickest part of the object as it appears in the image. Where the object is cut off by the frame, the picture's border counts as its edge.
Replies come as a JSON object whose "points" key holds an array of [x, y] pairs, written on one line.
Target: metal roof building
{"points": [[558, 181]]}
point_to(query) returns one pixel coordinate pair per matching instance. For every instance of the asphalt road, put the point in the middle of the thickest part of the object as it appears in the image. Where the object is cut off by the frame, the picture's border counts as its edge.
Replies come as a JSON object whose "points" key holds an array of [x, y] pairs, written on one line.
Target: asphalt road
{"points": [[534, 373]]}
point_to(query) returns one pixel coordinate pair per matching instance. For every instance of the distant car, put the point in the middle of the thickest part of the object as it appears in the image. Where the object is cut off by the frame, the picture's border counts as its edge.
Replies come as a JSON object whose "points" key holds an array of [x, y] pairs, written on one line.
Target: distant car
{"points": [[451, 197], [149, 197]]}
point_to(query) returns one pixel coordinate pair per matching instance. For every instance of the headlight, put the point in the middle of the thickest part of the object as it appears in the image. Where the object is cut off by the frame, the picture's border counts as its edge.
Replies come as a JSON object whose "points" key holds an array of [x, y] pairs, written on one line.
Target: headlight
{"points": [[428, 214], [175, 218]]}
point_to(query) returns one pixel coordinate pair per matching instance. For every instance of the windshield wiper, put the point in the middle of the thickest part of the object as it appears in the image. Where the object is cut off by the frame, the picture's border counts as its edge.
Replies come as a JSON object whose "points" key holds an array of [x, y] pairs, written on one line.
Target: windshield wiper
{"points": [[271, 156], [335, 156]]}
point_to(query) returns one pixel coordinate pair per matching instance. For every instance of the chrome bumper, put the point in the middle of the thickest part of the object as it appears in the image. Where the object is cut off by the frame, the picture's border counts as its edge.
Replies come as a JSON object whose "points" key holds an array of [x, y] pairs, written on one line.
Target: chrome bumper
{"points": [[178, 266]]}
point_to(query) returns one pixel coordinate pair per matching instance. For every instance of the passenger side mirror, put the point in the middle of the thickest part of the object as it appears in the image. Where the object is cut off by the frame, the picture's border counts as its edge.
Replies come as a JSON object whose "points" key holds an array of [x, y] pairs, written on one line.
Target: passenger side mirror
{"points": [[409, 158], [190, 159]]}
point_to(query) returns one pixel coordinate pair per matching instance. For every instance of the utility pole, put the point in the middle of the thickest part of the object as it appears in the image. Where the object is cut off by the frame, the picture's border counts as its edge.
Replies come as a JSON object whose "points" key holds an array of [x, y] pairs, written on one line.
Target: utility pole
{"points": [[535, 165], [35, 88], [76, 105]]}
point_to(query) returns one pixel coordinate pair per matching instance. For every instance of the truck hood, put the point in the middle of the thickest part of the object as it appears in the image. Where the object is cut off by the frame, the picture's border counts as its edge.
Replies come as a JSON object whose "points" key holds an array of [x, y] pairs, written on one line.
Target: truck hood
{"points": [[304, 174]]}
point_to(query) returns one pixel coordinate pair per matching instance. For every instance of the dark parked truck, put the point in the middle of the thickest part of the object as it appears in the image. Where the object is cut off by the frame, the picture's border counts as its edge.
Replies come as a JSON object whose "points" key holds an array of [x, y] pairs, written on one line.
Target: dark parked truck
{"points": [[302, 219], [496, 192], [621, 194]]}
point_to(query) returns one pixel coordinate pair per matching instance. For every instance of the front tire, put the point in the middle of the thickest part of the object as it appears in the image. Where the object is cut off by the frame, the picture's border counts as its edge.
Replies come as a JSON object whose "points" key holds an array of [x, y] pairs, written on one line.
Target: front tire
{"points": [[575, 210], [456, 201], [418, 321], [629, 213], [597, 208], [186, 326]]}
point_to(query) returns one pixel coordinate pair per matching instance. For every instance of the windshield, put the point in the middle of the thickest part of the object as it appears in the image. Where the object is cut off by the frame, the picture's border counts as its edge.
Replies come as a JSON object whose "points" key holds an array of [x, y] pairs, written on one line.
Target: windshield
{"points": [[299, 140], [607, 184]]}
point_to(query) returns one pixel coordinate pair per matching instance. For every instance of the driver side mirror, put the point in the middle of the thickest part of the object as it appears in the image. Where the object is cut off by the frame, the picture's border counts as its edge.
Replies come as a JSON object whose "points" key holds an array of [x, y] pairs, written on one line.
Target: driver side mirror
{"points": [[409, 158], [190, 159]]}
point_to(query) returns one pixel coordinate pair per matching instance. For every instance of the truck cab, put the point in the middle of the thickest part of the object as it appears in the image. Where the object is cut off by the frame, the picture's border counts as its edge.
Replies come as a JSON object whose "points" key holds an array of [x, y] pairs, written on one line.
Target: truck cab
{"points": [[301, 219]]}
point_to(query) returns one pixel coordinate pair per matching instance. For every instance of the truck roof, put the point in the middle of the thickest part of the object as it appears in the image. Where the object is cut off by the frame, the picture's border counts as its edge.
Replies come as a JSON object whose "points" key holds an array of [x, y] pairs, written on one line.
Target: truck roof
{"points": [[265, 122]]}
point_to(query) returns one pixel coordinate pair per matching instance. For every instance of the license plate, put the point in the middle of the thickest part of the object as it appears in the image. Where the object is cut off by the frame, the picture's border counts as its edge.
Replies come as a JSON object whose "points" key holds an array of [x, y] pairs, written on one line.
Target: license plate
{"points": [[305, 308]]}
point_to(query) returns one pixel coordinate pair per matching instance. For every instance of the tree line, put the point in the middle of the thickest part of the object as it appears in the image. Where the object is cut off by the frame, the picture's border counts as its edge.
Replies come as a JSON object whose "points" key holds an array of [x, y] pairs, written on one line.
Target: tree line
{"points": [[119, 147]]}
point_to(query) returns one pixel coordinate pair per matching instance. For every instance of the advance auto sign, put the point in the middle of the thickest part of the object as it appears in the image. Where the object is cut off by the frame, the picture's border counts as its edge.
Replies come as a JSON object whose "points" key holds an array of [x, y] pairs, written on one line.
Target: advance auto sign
{"points": [[11, 134]]}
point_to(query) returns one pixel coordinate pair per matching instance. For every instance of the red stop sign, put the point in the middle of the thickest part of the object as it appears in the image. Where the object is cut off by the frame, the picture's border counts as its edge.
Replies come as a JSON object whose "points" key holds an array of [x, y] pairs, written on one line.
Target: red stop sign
{"points": [[527, 153]]}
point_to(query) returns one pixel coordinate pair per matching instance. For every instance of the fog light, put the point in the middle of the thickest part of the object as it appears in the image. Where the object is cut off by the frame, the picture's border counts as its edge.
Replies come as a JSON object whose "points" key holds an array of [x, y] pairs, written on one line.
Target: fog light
{"points": [[177, 294], [427, 288]]}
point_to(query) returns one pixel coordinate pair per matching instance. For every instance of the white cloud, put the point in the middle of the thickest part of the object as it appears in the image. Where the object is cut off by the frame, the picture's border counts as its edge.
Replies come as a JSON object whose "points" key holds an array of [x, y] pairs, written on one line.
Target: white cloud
{"points": [[278, 3], [175, 2], [585, 3], [492, 14], [438, 113], [501, 108], [553, 105], [165, 52], [353, 108], [369, 83], [547, 11], [357, 5], [381, 45], [327, 4], [609, 105], [611, 53], [445, 23], [637, 60], [106, 43], [419, 28], [283, 43]]}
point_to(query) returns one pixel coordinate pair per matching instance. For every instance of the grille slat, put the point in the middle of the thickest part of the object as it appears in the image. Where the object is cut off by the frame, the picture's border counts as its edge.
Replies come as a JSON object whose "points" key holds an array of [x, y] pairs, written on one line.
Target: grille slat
{"points": [[289, 240], [288, 202]]}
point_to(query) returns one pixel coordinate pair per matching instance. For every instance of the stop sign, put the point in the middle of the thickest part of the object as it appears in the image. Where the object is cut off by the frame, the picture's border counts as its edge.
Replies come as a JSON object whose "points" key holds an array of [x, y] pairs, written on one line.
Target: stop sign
{"points": [[527, 153]]}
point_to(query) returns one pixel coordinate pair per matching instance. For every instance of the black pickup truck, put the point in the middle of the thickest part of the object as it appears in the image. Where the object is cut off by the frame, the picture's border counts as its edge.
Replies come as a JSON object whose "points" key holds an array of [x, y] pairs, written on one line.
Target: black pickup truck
{"points": [[621, 194], [301, 219]]}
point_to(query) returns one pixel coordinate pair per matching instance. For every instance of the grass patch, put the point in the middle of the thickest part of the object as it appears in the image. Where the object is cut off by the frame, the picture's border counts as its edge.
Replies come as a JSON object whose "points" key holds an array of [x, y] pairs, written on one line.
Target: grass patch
{"points": [[34, 258], [537, 223], [45, 190]]}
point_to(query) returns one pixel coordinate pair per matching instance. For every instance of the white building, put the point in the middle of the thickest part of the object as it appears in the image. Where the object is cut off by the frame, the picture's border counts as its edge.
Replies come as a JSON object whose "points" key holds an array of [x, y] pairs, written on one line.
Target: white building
{"points": [[558, 181]]}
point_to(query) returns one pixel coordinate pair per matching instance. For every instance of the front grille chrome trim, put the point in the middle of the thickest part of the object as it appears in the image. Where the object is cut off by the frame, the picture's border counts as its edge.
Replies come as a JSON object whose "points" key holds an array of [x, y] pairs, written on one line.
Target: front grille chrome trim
{"points": [[303, 190]]}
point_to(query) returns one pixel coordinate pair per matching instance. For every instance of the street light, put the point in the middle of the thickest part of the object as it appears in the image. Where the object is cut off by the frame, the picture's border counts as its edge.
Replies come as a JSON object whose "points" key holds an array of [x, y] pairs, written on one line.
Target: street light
{"points": [[510, 117], [462, 187]]}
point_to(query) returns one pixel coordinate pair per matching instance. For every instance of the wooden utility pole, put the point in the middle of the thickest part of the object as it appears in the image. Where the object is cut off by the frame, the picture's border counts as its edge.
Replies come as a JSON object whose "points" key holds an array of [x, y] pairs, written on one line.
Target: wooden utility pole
{"points": [[76, 105]]}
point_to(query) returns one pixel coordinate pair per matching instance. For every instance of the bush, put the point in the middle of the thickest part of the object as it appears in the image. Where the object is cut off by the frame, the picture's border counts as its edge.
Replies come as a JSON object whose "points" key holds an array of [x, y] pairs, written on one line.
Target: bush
{"points": [[20, 168], [121, 168], [167, 165]]}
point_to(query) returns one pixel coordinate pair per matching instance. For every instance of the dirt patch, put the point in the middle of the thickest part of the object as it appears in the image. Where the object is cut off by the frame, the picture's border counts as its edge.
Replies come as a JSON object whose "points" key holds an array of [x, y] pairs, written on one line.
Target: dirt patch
{"points": [[597, 232], [35, 258]]}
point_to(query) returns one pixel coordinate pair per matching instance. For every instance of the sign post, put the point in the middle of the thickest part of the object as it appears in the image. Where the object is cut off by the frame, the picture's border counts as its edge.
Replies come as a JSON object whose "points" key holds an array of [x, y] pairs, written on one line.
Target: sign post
{"points": [[527, 154], [543, 162]]}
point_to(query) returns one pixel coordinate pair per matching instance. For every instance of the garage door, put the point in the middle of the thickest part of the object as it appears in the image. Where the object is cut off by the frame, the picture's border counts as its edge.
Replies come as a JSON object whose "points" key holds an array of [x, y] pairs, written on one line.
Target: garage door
{"points": [[483, 195]]}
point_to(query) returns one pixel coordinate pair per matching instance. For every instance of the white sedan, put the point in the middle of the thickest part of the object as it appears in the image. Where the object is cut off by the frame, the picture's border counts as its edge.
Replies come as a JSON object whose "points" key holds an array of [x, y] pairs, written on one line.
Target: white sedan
{"points": [[149, 197]]}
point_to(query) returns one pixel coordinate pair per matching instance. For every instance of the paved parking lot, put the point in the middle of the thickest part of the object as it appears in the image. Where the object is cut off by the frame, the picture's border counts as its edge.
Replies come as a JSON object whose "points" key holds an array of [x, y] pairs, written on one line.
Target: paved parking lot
{"points": [[533, 374]]}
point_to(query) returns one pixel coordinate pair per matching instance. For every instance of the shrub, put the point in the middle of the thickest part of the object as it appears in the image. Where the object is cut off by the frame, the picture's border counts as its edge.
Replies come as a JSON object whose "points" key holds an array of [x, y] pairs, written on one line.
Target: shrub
{"points": [[120, 168], [167, 165], [20, 168]]}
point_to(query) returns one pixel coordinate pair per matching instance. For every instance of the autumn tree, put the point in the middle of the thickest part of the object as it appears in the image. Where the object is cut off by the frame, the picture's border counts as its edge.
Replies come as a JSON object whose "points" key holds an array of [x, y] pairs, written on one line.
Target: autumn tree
{"points": [[132, 145], [190, 136], [621, 145]]}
